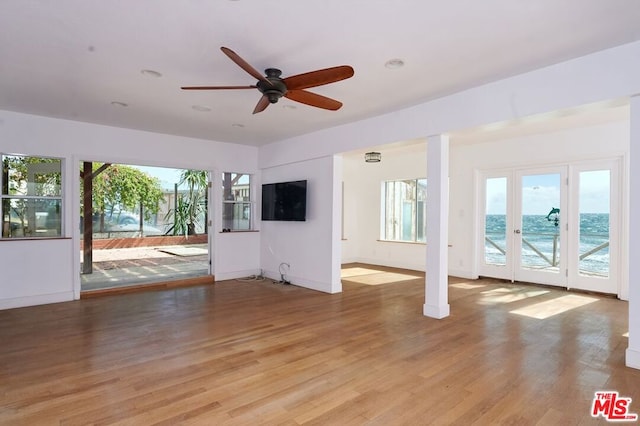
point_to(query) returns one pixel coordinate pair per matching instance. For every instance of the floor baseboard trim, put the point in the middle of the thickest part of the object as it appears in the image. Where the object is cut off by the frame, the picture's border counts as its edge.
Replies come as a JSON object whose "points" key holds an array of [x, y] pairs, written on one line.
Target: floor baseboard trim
{"points": [[436, 311]]}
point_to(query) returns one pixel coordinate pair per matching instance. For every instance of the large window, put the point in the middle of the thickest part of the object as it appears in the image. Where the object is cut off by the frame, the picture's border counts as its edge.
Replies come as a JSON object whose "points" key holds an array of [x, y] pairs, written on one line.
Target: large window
{"points": [[236, 202], [31, 198], [405, 210]]}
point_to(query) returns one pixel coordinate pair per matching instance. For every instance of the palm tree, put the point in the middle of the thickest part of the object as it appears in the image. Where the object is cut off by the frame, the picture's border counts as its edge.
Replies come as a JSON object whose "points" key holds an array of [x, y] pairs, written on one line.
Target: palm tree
{"points": [[196, 181]]}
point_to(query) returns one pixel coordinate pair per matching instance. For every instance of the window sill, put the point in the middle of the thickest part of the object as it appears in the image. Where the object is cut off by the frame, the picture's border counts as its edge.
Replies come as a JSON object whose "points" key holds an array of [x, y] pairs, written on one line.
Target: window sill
{"points": [[407, 242], [403, 242], [239, 231], [34, 238]]}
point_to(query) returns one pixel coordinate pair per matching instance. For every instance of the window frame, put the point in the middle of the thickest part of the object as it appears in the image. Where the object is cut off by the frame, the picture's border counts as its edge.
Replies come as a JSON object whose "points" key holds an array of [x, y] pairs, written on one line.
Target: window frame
{"points": [[59, 199], [419, 208], [236, 205]]}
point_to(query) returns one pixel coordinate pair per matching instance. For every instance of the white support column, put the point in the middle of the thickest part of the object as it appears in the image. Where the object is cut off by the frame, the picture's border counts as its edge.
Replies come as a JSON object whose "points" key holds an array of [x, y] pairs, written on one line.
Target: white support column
{"points": [[336, 226], [633, 350], [436, 304]]}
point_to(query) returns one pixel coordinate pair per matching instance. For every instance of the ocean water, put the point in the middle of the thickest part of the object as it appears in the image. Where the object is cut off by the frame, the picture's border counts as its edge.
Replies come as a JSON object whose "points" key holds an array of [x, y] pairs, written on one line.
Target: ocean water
{"points": [[543, 235]]}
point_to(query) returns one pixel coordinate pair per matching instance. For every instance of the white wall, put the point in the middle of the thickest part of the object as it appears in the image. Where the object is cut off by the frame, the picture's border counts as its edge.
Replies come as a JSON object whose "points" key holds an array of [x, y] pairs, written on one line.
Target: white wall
{"points": [[362, 200], [633, 350], [586, 143], [306, 246], [35, 272], [602, 76], [237, 254], [363, 208], [74, 142]]}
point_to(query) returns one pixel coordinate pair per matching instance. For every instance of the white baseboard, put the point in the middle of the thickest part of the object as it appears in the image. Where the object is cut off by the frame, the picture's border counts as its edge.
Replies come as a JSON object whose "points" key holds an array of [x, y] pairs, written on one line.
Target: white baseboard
{"points": [[462, 274], [302, 282], [232, 275], [632, 358], [437, 312], [41, 299], [393, 264]]}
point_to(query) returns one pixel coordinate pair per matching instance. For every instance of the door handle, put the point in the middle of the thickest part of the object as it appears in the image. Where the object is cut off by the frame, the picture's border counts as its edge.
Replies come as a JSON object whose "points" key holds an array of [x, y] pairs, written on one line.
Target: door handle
{"points": [[517, 231]]}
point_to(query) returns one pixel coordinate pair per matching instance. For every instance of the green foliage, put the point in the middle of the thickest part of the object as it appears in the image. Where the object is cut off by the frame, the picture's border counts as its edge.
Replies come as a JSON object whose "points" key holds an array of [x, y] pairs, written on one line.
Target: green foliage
{"points": [[125, 187], [45, 181], [180, 215], [24, 177], [196, 181], [121, 187]]}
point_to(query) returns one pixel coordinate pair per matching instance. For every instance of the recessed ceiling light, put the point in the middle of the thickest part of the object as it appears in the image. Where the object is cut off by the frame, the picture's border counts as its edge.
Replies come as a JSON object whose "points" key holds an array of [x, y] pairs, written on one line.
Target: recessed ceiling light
{"points": [[237, 125], [201, 108], [394, 63], [289, 106], [119, 104], [151, 73]]}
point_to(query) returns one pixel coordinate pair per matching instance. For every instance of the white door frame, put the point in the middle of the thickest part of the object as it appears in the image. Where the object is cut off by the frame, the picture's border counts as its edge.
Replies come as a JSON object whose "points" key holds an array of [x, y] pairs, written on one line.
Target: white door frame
{"points": [[540, 276], [610, 284], [569, 226], [502, 271]]}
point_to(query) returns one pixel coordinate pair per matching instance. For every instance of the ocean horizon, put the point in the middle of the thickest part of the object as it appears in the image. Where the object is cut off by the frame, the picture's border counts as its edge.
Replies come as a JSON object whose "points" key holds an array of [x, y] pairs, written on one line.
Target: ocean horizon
{"points": [[543, 235]]}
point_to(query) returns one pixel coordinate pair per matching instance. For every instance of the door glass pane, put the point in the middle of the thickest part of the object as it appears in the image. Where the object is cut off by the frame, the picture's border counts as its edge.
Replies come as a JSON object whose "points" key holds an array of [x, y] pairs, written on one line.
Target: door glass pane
{"points": [[540, 230], [495, 223], [594, 223]]}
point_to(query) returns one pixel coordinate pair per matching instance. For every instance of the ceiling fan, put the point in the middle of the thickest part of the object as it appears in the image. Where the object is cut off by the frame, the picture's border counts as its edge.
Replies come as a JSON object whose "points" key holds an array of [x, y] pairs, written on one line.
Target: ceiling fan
{"points": [[273, 87]]}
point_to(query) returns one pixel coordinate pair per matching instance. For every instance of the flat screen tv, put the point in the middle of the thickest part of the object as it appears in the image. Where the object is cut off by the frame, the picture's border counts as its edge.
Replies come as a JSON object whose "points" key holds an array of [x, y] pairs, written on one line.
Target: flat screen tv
{"points": [[285, 201]]}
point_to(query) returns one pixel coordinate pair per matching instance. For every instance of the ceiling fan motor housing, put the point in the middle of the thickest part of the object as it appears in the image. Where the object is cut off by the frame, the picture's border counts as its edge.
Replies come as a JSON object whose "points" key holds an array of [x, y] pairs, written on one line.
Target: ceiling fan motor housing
{"points": [[276, 89]]}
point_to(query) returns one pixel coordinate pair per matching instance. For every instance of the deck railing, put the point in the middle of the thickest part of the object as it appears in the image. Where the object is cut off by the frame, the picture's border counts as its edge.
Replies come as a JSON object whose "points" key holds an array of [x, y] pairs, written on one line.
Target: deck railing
{"points": [[554, 259]]}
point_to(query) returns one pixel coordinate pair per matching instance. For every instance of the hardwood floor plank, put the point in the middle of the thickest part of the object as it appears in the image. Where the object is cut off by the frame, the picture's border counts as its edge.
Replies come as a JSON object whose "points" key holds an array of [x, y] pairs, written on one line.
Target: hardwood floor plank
{"points": [[241, 353]]}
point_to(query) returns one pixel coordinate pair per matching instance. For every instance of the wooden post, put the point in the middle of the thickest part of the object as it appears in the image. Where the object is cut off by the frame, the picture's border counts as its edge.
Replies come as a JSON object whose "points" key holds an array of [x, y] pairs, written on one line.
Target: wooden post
{"points": [[206, 207], [141, 218], [227, 194], [175, 208], [87, 181]]}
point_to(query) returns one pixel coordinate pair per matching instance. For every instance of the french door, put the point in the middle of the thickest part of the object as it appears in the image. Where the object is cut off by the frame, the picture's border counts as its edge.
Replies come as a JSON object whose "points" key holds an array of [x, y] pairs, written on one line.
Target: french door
{"points": [[554, 225]]}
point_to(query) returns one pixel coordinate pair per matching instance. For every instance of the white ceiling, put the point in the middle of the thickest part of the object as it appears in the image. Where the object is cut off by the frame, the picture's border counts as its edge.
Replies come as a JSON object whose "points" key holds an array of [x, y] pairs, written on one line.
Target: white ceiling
{"points": [[73, 58]]}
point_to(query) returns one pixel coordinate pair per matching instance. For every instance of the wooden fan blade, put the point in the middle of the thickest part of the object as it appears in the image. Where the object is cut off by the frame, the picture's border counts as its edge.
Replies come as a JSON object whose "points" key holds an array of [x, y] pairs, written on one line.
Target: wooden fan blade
{"points": [[263, 103], [244, 65], [313, 99], [216, 87], [318, 78]]}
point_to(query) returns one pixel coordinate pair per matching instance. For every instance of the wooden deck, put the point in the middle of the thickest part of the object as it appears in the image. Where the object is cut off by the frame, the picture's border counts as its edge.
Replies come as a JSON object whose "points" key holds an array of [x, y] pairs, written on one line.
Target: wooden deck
{"points": [[261, 353]]}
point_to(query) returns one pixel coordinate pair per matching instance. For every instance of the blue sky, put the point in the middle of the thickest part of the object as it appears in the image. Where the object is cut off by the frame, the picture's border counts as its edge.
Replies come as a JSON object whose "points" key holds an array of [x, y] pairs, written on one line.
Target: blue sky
{"points": [[540, 193], [168, 177]]}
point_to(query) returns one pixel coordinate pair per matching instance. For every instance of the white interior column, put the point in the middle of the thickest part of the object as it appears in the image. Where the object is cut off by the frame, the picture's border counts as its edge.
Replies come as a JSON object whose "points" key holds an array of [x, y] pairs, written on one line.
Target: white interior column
{"points": [[436, 304], [633, 350], [336, 226]]}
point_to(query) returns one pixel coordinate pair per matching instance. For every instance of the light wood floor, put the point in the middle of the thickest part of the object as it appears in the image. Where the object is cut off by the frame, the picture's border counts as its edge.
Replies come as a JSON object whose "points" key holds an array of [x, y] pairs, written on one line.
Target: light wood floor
{"points": [[247, 353]]}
